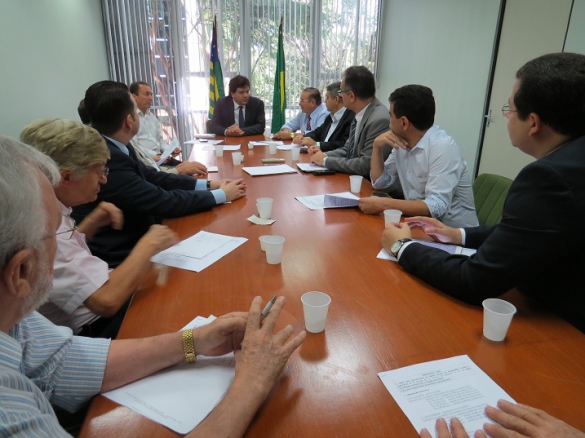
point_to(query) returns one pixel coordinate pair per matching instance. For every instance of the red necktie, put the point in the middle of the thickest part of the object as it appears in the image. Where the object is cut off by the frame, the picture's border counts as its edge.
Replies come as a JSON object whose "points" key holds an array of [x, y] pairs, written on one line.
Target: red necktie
{"points": [[308, 123]]}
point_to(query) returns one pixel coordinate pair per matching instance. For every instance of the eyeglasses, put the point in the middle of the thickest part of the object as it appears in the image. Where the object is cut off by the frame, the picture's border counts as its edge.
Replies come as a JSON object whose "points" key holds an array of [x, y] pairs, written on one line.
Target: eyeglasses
{"points": [[67, 234], [344, 91], [506, 109], [104, 172], [304, 100]]}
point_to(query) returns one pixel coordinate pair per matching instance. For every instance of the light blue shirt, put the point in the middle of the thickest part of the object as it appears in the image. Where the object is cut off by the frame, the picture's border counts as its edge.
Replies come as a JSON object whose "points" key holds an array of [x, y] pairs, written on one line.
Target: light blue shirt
{"points": [[434, 172], [335, 118], [41, 364], [299, 122]]}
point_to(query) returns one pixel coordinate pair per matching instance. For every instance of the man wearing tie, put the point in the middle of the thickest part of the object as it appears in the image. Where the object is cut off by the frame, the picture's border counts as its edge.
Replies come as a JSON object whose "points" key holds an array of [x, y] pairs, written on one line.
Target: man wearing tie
{"points": [[334, 131], [358, 91], [312, 115], [239, 113]]}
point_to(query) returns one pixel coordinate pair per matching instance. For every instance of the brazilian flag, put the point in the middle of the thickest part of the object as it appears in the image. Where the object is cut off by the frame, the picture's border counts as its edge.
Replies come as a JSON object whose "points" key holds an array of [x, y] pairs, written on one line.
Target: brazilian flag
{"points": [[279, 96], [215, 74]]}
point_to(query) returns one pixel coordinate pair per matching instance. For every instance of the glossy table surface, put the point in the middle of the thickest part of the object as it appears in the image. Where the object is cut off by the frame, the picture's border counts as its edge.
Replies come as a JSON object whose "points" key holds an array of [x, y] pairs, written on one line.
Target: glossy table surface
{"points": [[380, 318]]}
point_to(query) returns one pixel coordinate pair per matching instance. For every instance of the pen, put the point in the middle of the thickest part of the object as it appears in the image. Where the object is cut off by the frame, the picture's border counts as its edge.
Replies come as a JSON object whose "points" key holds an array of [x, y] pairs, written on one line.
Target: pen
{"points": [[269, 305]]}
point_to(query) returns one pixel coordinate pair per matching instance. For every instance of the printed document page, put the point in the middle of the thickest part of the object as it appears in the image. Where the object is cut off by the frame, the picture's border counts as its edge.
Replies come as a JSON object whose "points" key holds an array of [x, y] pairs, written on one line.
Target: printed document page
{"points": [[310, 167], [343, 199], [168, 151], [447, 388], [269, 170]]}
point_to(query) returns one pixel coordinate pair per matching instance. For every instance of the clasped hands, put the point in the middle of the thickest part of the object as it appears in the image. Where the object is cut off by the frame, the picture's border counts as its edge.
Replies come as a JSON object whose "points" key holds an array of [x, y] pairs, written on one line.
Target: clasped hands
{"points": [[234, 131]]}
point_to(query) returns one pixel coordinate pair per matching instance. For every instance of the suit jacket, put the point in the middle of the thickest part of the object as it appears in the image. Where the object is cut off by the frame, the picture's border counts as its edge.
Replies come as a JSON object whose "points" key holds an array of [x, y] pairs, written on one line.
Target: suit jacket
{"points": [[375, 121], [338, 137], [537, 247], [223, 116], [144, 195]]}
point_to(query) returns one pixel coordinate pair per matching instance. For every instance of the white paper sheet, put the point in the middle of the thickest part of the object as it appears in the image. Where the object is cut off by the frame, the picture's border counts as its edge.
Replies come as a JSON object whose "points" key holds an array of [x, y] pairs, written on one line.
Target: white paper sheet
{"points": [[447, 388], [318, 202], [451, 249], [212, 169], [286, 147], [182, 261], [203, 142], [226, 147], [168, 151], [269, 170], [199, 245], [310, 167], [202, 136], [180, 397]]}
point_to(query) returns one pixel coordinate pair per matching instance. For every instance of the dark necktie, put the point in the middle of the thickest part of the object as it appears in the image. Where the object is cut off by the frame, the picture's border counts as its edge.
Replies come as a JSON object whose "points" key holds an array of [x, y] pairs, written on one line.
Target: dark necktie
{"points": [[351, 139], [308, 123], [241, 121]]}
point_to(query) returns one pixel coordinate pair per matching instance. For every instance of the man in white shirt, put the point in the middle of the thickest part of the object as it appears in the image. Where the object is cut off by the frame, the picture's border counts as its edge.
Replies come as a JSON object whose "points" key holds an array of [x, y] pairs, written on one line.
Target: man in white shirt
{"points": [[334, 131], [150, 136], [426, 164], [312, 115]]}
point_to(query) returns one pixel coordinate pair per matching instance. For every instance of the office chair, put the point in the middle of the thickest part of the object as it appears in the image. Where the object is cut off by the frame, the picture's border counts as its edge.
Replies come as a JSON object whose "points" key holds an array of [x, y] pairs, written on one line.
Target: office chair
{"points": [[490, 192]]}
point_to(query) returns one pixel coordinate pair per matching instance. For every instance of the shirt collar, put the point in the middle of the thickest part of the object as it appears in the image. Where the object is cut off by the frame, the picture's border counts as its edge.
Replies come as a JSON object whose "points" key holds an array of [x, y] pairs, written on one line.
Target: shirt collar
{"points": [[359, 116], [10, 349], [336, 117], [424, 141], [119, 145]]}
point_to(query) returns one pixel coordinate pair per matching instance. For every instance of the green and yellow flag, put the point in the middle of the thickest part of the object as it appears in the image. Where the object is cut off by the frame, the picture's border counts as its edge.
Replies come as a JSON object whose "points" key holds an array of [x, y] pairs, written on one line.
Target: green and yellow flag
{"points": [[215, 74], [279, 97]]}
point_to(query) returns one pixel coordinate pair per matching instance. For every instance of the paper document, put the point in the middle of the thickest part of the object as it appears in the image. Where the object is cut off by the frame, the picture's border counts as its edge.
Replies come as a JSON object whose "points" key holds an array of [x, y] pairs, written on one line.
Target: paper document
{"points": [[333, 200], [199, 251], [269, 170], [451, 249], [204, 136], [168, 151], [344, 199], [227, 147], [203, 141], [310, 167], [285, 147], [447, 388], [182, 396], [212, 169]]}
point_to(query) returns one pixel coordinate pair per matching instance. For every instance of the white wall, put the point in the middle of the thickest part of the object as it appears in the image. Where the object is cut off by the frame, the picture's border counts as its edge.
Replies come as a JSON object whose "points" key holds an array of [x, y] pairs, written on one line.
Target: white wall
{"points": [[51, 52], [446, 45], [576, 34]]}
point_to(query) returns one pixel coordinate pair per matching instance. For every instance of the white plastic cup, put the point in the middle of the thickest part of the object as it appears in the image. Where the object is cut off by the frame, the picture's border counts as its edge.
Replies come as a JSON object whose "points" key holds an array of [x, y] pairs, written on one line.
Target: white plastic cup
{"points": [[274, 246], [315, 307], [295, 151], [250, 145], [497, 316], [237, 158], [272, 147], [392, 216], [355, 182], [264, 206], [219, 150], [267, 132]]}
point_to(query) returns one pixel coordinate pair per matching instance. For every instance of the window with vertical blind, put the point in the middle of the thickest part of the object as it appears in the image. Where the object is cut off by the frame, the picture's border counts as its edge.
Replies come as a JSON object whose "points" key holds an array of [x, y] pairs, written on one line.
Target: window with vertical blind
{"points": [[167, 43]]}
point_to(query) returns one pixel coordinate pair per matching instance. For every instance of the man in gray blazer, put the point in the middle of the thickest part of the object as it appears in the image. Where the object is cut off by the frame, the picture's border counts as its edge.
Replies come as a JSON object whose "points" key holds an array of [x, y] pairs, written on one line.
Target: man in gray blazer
{"points": [[358, 91]]}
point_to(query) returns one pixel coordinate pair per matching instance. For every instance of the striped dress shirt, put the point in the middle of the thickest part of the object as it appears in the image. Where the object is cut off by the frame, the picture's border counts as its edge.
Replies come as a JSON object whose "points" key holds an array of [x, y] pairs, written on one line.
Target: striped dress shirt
{"points": [[41, 364]]}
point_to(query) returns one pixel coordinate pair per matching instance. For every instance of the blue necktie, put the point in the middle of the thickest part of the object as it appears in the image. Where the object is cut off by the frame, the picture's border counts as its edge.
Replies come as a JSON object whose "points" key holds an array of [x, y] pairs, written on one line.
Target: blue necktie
{"points": [[241, 121], [351, 139]]}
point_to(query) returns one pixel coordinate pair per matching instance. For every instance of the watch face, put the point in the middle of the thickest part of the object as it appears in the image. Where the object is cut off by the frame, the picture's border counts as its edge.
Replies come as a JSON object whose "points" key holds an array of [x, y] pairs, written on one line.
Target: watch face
{"points": [[396, 247]]}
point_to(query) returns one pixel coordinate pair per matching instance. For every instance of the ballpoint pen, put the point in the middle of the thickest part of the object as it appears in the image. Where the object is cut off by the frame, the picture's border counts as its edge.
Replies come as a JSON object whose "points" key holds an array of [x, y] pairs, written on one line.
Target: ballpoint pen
{"points": [[269, 305]]}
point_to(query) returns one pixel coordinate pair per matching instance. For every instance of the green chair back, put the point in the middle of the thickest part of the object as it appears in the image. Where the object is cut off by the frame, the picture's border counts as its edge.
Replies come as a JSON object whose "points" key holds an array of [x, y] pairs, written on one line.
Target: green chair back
{"points": [[490, 192]]}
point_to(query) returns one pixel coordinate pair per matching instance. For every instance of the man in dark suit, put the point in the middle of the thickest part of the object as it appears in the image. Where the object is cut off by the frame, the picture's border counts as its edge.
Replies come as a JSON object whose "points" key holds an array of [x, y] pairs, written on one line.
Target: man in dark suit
{"points": [[358, 91], [334, 131], [537, 247], [239, 113], [144, 194]]}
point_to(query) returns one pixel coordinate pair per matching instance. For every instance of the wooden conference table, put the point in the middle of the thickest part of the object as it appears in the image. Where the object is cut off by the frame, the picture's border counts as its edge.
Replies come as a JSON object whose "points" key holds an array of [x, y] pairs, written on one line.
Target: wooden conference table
{"points": [[380, 318]]}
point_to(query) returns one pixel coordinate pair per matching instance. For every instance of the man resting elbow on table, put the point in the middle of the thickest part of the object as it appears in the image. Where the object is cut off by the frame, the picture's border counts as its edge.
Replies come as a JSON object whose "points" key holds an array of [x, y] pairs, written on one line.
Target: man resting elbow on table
{"points": [[86, 296], [426, 164], [537, 246], [34, 353]]}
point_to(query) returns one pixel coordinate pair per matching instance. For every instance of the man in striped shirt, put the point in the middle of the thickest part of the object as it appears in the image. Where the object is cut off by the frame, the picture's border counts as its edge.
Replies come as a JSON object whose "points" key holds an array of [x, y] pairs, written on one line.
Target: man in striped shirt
{"points": [[42, 364]]}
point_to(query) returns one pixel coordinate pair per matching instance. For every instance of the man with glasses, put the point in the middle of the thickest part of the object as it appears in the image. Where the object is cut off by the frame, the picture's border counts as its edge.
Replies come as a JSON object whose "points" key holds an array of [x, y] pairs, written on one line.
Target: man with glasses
{"points": [[311, 116], [334, 131], [426, 165], [86, 296], [537, 247], [239, 113], [358, 91]]}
